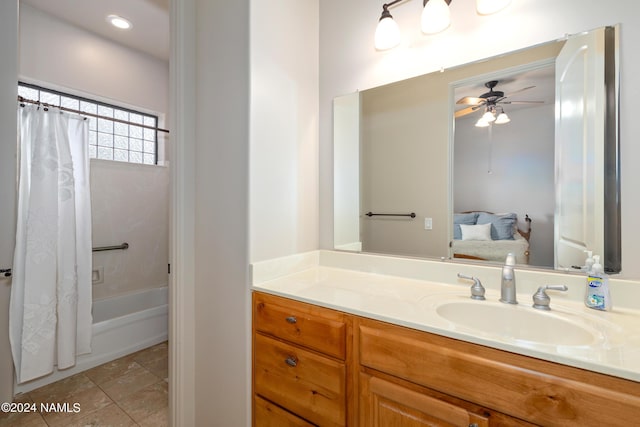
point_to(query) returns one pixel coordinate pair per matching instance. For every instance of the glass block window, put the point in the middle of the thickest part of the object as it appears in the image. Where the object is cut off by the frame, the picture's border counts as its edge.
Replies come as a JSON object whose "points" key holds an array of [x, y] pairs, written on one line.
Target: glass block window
{"points": [[119, 134]]}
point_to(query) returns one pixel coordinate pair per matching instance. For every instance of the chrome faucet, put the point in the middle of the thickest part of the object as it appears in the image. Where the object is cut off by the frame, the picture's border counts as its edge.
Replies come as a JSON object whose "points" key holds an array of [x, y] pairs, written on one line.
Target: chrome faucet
{"points": [[477, 290], [541, 300], [508, 283]]}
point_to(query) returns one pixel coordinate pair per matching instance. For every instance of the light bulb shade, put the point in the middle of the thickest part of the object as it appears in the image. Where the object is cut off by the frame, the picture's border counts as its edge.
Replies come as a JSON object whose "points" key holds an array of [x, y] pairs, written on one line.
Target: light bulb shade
{"points": [[502, 118], [488, 116], [387, 33], [481, 123], [487, 7], [436, 16]]}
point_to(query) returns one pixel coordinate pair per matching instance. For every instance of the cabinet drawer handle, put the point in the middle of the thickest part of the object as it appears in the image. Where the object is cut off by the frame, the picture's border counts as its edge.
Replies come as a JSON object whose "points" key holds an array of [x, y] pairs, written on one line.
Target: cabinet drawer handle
{"points": [[291, 361], [473, 425], [291, 319]]}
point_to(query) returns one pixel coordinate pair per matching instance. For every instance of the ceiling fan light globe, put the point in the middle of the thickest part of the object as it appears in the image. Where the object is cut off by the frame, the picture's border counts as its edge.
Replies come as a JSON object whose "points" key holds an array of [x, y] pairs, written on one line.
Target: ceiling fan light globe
{"points": [[482, 123], [436, 17], [502, 119], [387, 34], [488, 117], [488, 7]]}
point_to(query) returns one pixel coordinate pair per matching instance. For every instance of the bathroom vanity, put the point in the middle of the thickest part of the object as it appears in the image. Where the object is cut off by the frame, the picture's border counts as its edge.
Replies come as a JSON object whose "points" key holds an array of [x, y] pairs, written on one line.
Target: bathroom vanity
{"points": [[336, 347]]}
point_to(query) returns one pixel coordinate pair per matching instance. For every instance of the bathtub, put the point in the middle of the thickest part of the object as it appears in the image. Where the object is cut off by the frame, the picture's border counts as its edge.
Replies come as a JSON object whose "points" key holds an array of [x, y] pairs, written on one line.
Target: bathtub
{"points": [[121, 325]]}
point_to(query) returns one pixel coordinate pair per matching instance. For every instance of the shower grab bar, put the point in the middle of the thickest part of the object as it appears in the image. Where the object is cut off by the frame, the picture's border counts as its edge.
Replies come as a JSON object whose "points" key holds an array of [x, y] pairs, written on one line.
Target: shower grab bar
{"points": [[125, 245]]}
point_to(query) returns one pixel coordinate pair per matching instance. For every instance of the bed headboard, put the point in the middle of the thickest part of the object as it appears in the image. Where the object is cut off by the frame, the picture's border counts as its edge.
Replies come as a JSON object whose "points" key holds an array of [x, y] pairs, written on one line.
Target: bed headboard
{"points": [[524, 233]]}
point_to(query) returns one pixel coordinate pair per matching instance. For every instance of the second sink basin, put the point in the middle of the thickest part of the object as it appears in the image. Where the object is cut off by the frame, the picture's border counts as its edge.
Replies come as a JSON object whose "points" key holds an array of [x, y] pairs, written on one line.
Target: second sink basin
{"points": [[516, 322]]}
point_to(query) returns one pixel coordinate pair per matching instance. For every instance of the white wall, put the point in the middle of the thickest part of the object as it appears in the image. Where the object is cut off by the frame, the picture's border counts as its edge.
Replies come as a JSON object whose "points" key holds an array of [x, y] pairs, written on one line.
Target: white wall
{"points": [[284, 128], [130, 203], [52, 51], [221, 207], [8, 134], [349, 62]]}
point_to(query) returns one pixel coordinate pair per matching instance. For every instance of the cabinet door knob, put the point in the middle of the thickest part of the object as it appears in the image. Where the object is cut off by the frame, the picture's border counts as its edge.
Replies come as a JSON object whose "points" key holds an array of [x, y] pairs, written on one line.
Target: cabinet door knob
{"points": [[291, 319], [291, 361]]}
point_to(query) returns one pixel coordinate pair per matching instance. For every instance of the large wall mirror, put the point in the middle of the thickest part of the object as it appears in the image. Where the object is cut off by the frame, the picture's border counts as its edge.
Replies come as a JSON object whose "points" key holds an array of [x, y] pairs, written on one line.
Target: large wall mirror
{"points": [[419, 172]]}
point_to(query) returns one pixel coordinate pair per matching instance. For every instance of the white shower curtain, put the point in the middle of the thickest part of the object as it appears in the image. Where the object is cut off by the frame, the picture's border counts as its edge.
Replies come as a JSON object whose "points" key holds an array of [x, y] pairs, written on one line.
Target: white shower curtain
{"points": [[50, 311]]}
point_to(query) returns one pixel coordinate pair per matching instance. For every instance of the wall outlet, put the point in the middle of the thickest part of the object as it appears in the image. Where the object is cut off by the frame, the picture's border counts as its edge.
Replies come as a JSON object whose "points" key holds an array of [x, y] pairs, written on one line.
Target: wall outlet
{"points": [[97, 275], [428, 223]]}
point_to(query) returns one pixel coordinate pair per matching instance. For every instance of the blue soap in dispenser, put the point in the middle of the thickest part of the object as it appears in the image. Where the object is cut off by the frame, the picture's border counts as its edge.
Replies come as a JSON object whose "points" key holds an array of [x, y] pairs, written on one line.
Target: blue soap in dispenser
{"points": [[597, 295]]}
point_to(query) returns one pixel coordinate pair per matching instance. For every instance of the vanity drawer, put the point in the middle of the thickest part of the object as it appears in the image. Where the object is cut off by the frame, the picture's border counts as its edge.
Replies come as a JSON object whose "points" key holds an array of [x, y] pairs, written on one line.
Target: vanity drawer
{"points": [[307, 384], [310, 326], [266, 414]]}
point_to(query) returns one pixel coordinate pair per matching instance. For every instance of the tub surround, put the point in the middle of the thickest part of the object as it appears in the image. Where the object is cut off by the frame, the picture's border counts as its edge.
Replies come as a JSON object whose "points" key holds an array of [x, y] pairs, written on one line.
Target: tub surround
{"points": [[129, 203], [407, 292]]}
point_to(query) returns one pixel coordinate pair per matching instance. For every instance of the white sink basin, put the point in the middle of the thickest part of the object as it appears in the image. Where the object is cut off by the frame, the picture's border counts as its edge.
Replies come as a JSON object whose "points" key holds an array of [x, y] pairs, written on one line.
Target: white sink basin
{"points": [[516, 322]]}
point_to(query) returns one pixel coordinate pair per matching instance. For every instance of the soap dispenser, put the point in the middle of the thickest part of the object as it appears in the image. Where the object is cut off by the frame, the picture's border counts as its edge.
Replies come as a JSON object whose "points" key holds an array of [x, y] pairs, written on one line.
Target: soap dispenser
{"points": [[508, 282], [588, 263], [597, 295]]}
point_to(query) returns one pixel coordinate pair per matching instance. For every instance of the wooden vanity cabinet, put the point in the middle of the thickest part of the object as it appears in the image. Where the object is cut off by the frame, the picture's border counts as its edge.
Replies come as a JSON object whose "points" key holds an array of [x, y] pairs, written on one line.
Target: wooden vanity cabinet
{"points": [[316, 366], [300, 368]]}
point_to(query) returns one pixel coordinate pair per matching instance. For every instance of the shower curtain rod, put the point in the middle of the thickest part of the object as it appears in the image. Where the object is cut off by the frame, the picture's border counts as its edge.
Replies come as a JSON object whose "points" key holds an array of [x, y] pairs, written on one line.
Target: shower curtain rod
{"points": [[22, 99]]}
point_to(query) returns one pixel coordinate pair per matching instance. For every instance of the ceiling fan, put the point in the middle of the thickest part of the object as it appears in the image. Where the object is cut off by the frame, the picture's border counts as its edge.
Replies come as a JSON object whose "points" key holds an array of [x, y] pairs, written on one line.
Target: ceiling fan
{"points": [[490, 100]]}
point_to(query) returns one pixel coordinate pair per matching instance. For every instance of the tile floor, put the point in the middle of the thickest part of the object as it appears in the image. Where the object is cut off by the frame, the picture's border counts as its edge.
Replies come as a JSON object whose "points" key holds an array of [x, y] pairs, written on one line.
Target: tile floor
{"points": [[130, 391]]}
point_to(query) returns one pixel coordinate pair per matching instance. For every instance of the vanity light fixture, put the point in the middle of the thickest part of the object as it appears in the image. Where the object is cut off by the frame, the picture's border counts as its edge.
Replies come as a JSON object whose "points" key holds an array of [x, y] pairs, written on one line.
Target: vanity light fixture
{"points": [[387, 32], [436, 17], [119, 22]]}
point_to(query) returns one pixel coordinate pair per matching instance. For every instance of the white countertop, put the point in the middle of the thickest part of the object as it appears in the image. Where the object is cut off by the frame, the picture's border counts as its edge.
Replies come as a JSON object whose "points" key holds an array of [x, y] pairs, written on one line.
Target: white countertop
{"points": [[414, 302]]}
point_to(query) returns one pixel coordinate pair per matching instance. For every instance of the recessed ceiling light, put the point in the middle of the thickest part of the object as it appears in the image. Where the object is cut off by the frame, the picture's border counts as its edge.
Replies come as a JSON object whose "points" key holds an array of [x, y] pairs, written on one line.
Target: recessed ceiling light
{"points": [[119, 22]]}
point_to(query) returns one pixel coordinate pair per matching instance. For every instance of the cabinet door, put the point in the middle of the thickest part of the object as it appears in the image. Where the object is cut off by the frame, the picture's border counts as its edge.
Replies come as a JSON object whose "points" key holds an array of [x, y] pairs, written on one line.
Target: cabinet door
{"points": [[385, 404]]}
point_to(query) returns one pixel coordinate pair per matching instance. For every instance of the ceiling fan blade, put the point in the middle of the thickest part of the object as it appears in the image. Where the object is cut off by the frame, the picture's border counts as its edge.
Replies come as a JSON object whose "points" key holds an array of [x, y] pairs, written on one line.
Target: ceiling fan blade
{"points": [[522, 102], [465, 111], [521, 90], [470, 100]]}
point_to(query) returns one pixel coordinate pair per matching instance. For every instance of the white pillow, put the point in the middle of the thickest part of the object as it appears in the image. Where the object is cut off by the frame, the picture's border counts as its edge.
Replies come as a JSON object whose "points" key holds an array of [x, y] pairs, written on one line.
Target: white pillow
{"points": [[476, 232]]}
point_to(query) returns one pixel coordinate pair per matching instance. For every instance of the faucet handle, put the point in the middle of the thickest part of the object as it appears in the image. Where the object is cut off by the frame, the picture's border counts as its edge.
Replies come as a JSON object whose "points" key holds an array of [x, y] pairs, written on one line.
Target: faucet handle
{"points": [[477, 290], [541, 300]]}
